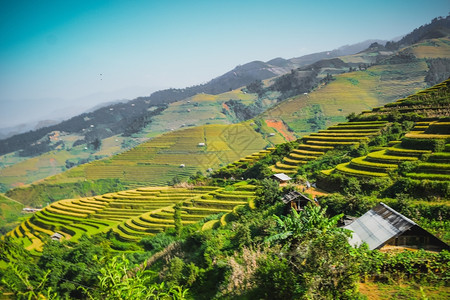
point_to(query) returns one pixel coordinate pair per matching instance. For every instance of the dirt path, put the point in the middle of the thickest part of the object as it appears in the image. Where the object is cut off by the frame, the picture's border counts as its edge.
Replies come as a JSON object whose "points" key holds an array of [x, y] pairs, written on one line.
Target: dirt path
{"points": [[315, 192], [281, 128]]}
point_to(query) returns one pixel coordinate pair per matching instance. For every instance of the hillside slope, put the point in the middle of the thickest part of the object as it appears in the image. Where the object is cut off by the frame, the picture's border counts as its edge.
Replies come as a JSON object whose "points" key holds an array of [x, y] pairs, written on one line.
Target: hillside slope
{"points": [[394, 76], [372, 78], [133, 214], [402, 147], [168, 158], [203, 235]]}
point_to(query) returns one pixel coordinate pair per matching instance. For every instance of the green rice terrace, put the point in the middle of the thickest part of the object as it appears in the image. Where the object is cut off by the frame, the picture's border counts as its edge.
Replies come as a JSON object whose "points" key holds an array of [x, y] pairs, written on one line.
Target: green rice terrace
{"points": [[316, 144], [427, 106], [131, 214], [397, 143], [425, 148], [179, 153], [430, 164]]}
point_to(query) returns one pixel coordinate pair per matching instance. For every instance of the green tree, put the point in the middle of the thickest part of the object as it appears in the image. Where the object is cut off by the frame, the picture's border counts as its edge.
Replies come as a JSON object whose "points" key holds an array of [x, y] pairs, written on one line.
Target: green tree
{"points": [[116, 282], [96, 144], [324, 264], [21, 275], [175, 180], [268, 193], [297, 225]]}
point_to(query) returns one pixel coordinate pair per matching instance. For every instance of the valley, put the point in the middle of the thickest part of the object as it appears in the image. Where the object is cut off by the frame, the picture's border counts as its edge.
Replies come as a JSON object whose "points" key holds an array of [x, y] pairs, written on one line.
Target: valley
{"points": [[244, 187]]}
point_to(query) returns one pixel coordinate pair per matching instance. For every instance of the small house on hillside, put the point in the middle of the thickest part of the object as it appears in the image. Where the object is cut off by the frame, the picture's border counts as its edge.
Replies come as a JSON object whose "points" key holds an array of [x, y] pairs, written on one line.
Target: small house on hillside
{"points": [[30, 210], [57, 236], [382, 227], [296, 200], [281, 177]]}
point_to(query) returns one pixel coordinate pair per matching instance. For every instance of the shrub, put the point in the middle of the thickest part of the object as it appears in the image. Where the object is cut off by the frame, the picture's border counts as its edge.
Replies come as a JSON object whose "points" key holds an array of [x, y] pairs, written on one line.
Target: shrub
{"points": [[418, 188], [268, 193], [436, 145], [156, 243], [407, 167], [275, 280], [349, 205], [122, 246]]}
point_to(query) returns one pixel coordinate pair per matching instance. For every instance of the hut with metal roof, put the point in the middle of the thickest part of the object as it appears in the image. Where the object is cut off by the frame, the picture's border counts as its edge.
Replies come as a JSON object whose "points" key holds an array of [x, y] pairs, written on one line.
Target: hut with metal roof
{"points": [[56, 236], [281, 177], [383, 227], [296, 200]]}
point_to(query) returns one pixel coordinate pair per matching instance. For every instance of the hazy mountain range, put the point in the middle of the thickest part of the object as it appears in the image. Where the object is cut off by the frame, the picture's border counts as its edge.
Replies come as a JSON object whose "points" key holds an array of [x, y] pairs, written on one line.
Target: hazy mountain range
{"points": [[239, 76]]}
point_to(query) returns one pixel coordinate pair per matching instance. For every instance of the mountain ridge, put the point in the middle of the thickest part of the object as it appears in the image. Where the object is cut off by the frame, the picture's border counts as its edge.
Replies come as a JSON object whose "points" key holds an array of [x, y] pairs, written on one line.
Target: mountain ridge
{"points": [[123, 122], [239, 76]]}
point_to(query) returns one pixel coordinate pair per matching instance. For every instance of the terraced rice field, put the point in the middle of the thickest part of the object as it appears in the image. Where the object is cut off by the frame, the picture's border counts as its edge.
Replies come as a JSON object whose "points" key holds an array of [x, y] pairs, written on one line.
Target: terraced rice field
{"points": [[351, 92], [417, 145], [200, 109], [316, 144], [431, 165], [430, 103], [130, 214], [179, 153], [250, 159], [437, 167]]}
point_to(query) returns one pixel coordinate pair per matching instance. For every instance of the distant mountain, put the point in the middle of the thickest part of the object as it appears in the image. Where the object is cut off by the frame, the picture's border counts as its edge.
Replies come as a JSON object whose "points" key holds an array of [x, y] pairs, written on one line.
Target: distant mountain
{"points": [[131, 117], [7, 132], [245, 74], [341, 51], [117, 117], [438, 28]]}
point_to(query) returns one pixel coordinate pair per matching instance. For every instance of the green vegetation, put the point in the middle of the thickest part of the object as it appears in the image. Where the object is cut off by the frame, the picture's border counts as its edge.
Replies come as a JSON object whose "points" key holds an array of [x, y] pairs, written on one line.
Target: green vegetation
{"points": [[155, 163], [340, 135], [220, 237], [420, 154], [226, 234], [10, 212], [261, 254], [131, 214]]}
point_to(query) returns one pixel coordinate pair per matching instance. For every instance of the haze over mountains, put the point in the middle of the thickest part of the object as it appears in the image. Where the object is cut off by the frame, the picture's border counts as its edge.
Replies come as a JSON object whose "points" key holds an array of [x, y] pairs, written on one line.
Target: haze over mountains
{"points": [[232, 187], [46, 112], [336, 86]]}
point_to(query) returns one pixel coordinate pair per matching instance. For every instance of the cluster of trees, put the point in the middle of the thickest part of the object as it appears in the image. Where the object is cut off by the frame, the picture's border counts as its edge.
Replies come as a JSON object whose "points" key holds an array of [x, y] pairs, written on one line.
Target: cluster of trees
{"points": [[244, 112], [84, 270], [263, 254], [72, 162], [317, 120], [295, 83], [121, 118], [436, 29]]}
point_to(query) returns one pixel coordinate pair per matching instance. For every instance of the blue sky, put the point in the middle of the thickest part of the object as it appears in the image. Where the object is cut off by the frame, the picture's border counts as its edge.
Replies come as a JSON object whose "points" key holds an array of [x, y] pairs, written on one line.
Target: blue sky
{"points": [[67, 55]]}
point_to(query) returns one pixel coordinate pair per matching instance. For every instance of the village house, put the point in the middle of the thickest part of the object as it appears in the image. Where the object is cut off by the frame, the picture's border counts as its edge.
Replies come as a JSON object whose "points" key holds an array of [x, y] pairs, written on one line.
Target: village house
{"points": [[30, 210], [56, 236], [281, 177], [384, 228], [297, 201]]}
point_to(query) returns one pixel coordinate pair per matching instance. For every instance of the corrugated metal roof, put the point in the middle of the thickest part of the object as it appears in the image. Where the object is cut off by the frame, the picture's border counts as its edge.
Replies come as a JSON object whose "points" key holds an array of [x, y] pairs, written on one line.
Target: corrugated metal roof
{"points": [[282, 176], [294, 195], [378, 225]]}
